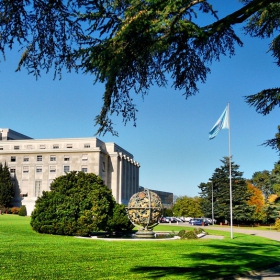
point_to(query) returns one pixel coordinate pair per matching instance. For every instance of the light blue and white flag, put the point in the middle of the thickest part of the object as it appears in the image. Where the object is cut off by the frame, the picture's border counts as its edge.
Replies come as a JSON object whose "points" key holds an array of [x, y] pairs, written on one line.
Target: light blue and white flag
{"points": [[222, 123]]}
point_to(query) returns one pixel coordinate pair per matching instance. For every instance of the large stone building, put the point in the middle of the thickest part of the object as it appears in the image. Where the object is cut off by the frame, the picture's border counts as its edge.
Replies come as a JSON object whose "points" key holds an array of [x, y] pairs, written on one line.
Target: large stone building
{"points": [[35, 163]]}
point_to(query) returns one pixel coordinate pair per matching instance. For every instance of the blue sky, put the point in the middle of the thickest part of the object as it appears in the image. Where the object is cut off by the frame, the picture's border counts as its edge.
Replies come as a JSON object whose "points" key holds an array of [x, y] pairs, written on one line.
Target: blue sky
{"points": [[171, 138]]}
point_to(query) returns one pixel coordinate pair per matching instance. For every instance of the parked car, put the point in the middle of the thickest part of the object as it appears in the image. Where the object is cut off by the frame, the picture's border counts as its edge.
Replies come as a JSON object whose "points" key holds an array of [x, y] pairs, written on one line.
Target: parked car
{"points": [[198, 222]]}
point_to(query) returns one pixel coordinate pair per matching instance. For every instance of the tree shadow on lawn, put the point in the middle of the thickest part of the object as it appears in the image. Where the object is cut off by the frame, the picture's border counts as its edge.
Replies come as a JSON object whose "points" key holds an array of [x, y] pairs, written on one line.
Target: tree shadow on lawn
{"points": [[224, 261]]}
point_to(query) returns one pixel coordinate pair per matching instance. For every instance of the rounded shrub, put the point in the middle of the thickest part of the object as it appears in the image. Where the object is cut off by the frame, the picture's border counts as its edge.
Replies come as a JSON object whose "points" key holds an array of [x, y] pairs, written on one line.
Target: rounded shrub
{"points": [[15, 210], [22, 211], [78, 203]]}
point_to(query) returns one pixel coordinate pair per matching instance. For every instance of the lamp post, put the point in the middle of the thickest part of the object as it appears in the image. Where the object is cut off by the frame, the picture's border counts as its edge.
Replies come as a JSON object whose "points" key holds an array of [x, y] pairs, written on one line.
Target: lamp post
{"points": [[212, 204]]}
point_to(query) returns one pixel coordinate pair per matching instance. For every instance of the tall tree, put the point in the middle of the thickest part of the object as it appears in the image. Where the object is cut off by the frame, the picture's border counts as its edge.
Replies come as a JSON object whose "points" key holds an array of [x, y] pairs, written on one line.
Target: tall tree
{"points": [[275, 178], [130, 45], [261, 180], [6, 186], [257, 200], [188, 207], [242, 211]]}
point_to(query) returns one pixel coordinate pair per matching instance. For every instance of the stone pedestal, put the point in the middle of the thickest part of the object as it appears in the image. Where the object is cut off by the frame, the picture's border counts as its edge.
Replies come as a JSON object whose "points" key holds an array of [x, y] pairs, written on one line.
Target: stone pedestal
{"points": [[145, 234]]}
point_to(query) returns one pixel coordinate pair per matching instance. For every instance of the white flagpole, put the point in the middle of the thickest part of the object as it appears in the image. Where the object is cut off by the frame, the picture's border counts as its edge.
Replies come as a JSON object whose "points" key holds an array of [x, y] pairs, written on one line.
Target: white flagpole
{"points": [[230, 183]]}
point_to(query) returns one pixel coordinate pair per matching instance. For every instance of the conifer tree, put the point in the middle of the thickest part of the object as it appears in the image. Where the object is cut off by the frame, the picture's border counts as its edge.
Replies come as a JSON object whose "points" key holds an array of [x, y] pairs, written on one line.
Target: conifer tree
{"points": [[6, 186]]}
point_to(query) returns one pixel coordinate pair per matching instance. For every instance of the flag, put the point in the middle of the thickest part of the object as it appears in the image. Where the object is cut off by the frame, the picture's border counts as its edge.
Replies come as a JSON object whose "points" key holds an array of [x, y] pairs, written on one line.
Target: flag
{"points": [[222, 123]]}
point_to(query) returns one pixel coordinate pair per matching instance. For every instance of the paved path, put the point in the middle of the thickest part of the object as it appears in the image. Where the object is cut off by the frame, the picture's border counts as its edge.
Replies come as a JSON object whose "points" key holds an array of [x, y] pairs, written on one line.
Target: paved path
{"points": [[268, 274]]}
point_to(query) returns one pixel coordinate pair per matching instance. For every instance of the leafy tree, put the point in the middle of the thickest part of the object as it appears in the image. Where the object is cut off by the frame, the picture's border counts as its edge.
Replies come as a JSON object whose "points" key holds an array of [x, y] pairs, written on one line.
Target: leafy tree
{"points": [[257, 200], [242, 211], [77, 204], [6, 186], [130, 45], [275, 178], [188, 207], [261, 180]]}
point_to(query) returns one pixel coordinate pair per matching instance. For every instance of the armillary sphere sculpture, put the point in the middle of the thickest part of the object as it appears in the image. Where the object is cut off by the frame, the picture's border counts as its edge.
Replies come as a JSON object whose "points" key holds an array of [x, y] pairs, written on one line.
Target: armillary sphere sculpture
{"points": [[144, 211]]}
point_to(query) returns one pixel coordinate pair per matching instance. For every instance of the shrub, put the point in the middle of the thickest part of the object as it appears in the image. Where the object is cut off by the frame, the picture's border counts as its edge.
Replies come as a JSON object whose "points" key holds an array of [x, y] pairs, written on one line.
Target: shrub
{"points": [[78, 203], [277, 224], [22, 211], [190, 235], [15, 210], [199, 230], [181, 233]]}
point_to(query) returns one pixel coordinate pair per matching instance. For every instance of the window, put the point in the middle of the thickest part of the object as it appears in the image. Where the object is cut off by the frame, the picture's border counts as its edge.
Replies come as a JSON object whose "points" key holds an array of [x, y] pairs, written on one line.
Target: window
{"points": [[55, 146], [84, 157], [52, 158], [39, 169], [12, 171], [25, 169], [24, 188], [16, 147], [66, 158], [13, 158], [52, 169], [1, 148], [84, 169], [25, 159], [39, 158], [38, 188], [66, 168], [42, 147], [87, 145], [69, 146], [103, 166], [29, 147]]}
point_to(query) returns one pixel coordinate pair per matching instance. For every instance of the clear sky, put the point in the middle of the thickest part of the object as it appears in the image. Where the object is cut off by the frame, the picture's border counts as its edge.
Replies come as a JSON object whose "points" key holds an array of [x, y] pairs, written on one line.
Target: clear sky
{"points": [[171, 138]]}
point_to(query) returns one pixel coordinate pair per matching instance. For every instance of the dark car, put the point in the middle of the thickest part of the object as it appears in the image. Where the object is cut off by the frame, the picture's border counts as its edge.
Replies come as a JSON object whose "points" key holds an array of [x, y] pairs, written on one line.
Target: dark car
{"points": [[198, 222]]}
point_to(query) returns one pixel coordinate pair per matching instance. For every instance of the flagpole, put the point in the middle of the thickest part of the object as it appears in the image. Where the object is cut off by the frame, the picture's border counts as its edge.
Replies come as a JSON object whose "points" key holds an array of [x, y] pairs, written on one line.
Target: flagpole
{"points": [[230, 180]]}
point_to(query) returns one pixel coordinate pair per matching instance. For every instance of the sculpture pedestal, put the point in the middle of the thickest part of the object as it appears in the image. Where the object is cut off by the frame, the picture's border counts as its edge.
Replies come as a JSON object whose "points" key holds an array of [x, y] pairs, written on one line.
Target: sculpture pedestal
{"points": [[145, 234]]}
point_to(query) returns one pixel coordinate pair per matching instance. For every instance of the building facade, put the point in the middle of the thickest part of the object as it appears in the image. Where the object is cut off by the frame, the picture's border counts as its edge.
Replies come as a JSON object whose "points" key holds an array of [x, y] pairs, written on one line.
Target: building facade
{"points": [[35, 163]]}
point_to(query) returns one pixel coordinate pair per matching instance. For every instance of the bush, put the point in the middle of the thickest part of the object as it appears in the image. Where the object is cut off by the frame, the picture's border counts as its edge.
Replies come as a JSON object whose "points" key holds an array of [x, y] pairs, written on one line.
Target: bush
{"points": [[185, 234], [182, 233], [78, 203], [5, 210], [190, 235], [22, 211], [15, 210], [277, 224]]}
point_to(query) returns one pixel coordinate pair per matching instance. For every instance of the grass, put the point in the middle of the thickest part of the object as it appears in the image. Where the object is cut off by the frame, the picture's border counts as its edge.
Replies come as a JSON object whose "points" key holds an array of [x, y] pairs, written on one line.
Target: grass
{"points": [[26, 254]]}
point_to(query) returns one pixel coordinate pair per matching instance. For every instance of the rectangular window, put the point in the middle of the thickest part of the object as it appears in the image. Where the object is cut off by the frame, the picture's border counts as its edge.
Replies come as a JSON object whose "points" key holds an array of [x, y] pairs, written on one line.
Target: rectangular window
{"points": [[86, 145], [69, 146], [39, 158], [39, 169], [25, 159], [52, 158], [16, 147], [13, 158], [42, 147], [84, 157], [66, 168], [55, 146], [1, 148], [103, 166], [12, 170], [52, 169], [25, 169], [24, 188], [38, 188], [84, 169], [29, 147], [66, 158]]}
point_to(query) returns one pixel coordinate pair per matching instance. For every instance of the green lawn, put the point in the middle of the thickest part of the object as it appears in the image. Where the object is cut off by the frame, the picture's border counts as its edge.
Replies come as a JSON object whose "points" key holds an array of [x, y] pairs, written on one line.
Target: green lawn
{"points": [[26, 254]]}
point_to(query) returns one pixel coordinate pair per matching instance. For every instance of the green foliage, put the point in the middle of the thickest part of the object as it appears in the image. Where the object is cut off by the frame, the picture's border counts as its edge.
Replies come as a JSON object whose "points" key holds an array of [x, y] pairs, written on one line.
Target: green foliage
{"points": [[188, 207], [167, 212], [119, 221], [77, 204], [130, 45], [6, 186], [242, 212], [190, 234], [262, 181], [22, 211]]}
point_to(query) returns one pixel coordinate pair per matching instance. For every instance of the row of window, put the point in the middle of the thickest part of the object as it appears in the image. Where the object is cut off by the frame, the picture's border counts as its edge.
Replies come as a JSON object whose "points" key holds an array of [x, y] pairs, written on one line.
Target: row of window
{"points": [[52, 169], [54, 146], [52, 158]]}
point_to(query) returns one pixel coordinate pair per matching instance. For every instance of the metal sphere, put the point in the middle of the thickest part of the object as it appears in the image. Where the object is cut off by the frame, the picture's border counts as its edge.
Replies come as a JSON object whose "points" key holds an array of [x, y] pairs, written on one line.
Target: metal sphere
{"points": [[145, 209]]}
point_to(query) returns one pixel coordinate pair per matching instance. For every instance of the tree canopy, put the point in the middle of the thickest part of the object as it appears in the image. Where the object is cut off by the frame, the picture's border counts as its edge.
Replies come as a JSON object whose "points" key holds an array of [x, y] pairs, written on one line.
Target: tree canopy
{"points": [[130, 45], [6, 186]]}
